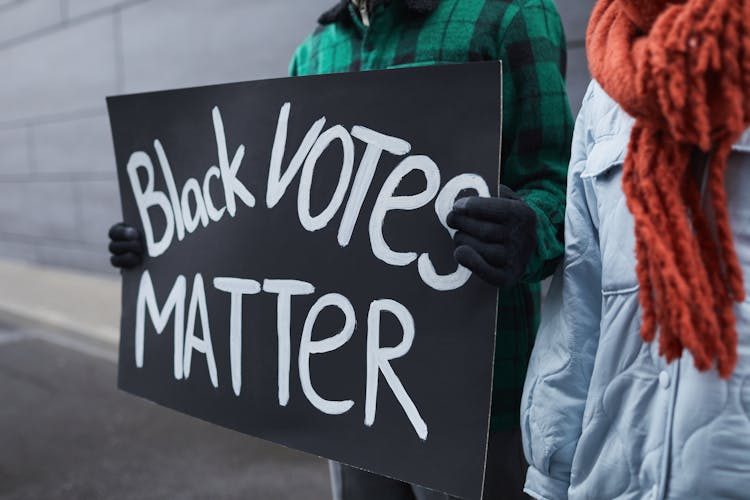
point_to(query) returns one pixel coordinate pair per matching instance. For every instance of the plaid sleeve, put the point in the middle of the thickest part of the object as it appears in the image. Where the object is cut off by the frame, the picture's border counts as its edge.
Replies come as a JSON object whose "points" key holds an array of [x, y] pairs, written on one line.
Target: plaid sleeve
{"points": [[293, 71], [301, 60], [295, 68], [538, 124]]}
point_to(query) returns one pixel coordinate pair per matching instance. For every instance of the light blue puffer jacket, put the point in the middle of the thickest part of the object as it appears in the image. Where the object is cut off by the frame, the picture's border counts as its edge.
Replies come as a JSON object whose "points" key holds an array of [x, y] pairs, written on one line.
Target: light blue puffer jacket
{"points": [[603, 416]]}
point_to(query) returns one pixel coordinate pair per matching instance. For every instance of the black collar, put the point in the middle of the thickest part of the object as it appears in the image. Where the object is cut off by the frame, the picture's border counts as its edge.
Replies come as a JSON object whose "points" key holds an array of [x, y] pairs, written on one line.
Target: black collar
{"points": [[339, 11]]}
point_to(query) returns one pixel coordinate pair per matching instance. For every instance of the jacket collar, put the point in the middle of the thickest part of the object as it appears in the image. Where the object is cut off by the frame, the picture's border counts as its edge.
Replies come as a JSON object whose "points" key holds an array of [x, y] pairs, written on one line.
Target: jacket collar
{"points": [[338, 12]]}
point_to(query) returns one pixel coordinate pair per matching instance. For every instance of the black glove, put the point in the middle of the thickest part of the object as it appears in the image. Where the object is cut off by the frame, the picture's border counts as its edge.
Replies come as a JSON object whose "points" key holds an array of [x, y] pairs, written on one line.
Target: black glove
{"points": [[496, 236], [125, 245]]}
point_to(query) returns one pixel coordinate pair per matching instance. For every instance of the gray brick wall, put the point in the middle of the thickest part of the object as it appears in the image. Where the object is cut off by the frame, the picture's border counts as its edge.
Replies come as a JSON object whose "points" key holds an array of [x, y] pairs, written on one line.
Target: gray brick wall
{"points": [[575, 15], [60, 58]]}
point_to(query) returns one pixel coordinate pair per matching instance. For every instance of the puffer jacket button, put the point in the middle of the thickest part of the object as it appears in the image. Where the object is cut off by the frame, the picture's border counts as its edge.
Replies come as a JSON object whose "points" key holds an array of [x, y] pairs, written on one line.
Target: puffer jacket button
{"points": [[664, 380]]}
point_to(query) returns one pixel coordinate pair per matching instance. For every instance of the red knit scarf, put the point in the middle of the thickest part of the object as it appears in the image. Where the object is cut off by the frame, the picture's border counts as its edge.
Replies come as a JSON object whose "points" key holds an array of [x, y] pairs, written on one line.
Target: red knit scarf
{"points": [[682, 70]]}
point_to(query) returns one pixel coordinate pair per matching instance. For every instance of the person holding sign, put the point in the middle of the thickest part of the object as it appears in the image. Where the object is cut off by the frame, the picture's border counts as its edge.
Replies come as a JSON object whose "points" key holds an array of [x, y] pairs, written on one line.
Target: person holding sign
{"points": [[638, 383], [513, 240]]}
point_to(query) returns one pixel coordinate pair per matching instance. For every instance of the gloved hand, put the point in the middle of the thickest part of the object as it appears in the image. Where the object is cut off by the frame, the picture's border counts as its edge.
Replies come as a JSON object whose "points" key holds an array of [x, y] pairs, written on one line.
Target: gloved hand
{"points": [[496, 236], [125, 245]]}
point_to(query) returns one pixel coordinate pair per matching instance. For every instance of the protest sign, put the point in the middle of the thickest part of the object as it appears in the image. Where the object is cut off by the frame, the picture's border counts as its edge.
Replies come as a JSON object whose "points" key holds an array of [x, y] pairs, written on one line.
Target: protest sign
{"points": [[299, 284]]}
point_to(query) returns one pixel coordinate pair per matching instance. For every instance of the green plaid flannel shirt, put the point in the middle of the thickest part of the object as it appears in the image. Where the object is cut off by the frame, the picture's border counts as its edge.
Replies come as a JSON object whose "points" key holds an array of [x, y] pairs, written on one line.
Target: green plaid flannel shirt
{"points": [[527, 35]]}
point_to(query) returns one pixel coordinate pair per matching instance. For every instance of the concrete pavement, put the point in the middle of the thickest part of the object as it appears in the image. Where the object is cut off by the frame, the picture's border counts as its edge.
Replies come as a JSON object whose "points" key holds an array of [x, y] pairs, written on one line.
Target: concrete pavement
{"points": [[75, 302], [67, 432]]}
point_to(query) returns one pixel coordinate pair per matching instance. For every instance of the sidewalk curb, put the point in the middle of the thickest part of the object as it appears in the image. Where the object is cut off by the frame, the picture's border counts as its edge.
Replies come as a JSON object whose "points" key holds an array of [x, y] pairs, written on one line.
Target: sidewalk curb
{"points": [[82, 305], [50, 319]]}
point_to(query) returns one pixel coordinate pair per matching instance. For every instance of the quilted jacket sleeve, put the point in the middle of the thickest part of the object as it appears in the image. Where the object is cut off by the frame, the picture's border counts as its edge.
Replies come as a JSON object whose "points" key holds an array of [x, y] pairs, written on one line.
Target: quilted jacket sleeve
{"points": [[559, 373]]}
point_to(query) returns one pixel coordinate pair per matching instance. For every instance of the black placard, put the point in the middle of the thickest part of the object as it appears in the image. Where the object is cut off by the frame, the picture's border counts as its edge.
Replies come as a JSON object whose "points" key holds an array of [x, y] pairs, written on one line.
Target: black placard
{"points": [[261, 263]]}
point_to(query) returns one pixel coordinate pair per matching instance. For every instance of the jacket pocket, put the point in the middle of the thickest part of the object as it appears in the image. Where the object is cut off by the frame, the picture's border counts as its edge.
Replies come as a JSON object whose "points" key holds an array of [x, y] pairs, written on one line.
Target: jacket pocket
{"points": [[603, 178]]}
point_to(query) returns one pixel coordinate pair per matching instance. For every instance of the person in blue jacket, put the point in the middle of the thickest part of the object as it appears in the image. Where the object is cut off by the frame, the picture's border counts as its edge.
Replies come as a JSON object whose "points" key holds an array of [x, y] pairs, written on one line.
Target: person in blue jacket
{"points": [[639, 382]]}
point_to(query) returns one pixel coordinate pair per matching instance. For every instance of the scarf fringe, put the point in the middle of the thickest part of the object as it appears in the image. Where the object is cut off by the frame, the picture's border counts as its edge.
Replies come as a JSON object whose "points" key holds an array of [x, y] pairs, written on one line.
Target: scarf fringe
{"points": [[685, 79]]}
